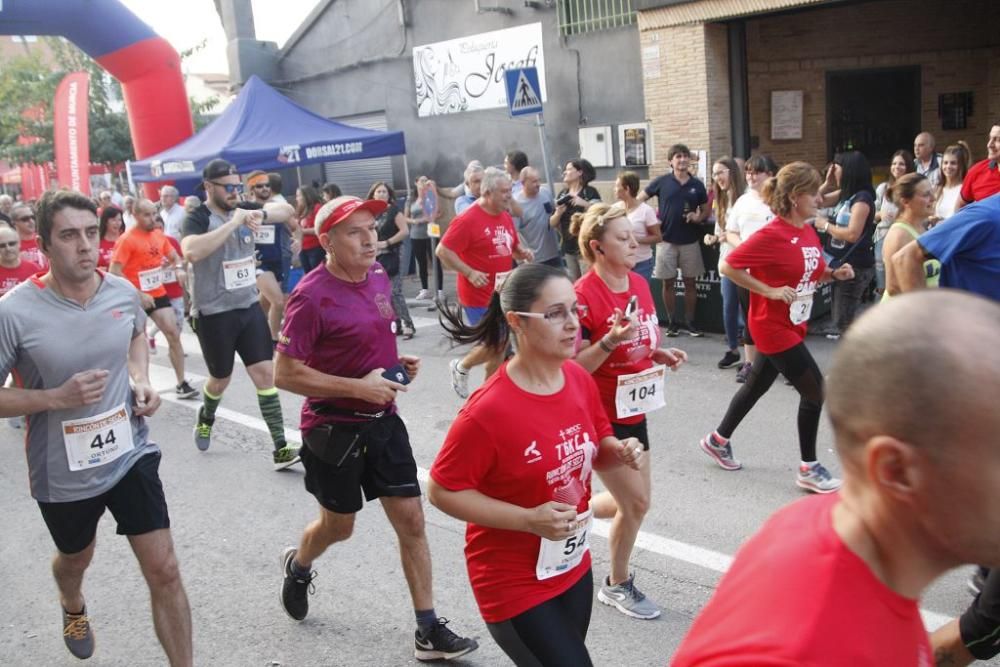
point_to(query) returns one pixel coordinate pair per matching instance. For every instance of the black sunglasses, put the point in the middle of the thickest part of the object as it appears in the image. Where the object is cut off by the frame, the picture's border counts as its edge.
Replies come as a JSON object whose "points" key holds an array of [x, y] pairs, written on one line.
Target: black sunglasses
{"points": [[9, 244], [230, 187]]}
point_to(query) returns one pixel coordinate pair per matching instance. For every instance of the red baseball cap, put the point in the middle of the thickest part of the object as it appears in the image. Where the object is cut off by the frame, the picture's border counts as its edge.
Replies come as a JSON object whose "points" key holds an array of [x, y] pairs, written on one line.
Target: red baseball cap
{"points": [[339, 209]]}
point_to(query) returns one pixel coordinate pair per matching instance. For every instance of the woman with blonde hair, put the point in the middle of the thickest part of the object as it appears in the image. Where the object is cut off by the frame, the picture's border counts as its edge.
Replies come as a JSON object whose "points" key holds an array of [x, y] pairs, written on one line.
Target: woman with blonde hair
{"points": [[954, 167], [915, 199], [728, 185], [786, 264], [619, 346]]}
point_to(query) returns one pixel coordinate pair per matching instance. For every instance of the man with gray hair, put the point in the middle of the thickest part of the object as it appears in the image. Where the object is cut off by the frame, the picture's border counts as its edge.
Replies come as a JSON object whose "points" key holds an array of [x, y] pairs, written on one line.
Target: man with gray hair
{"points": [[171, 212], [925, 159], [481, 244], [473, 183]]}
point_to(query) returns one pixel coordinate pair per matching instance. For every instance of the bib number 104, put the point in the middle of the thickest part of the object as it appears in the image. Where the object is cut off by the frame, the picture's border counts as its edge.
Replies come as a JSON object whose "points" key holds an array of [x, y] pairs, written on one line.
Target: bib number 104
{"points": [[642, 392]]}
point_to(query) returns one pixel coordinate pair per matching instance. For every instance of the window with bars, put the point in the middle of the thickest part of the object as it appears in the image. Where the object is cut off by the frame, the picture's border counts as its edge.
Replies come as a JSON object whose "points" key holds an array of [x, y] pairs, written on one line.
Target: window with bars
{"points": [[579, 16]]}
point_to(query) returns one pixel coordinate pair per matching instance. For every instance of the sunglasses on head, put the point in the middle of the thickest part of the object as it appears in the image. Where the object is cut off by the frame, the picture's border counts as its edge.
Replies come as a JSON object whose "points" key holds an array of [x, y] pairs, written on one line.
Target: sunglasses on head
{"points": [[230, 187]]}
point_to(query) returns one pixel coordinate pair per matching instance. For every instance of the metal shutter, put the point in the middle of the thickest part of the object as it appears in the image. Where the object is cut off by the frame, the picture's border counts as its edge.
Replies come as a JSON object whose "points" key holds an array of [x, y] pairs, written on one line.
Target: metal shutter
{"points": [[355, 176]]}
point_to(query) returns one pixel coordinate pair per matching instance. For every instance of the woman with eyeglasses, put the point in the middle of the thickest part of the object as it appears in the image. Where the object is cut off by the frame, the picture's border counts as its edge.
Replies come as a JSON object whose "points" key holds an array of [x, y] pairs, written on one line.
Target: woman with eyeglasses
{"points": [[110, 227], [516, 466], [728, 185], [619, 345]]}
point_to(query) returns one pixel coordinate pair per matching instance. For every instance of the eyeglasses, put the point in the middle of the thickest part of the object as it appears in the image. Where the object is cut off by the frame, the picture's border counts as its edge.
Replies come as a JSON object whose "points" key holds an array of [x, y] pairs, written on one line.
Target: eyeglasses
{"points": [[9, 244], [556, 316], [230, 187], [720, 172]]}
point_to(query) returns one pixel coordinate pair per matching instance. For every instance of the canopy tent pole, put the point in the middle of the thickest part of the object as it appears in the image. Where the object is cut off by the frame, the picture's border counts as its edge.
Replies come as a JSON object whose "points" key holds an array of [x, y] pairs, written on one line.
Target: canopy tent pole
{"points": [[406, 175], [128, 175]]}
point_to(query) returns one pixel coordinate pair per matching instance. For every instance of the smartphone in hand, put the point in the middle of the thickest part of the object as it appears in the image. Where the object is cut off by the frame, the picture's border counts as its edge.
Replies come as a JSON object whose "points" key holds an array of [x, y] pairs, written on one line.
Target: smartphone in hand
{"points": [[397, 374], [632, 306]]}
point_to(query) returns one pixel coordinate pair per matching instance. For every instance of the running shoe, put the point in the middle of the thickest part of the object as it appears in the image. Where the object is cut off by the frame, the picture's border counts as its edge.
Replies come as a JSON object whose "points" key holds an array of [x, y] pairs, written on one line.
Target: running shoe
{"points": [[672, 330], [185, 390], [77, 634], [977, 580], [816, 478], [286, 457], [744, 372], [729, 360], [152, 344], [424, 295], [295, 590], [408, 330], [440, 643], [459, 379], [721, 454], [693, 330], [203, 431], [628, 599]]}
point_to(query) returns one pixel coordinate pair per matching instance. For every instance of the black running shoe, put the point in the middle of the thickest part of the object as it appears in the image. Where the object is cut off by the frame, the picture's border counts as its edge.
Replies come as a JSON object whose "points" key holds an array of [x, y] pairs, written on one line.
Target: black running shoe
{"points": [[693, 330], [295, 590], [440, 643], [729, 359], [672, 330]]}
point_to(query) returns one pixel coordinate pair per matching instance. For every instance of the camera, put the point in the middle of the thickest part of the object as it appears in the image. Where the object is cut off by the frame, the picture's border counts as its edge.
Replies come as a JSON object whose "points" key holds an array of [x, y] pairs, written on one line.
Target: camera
{"points": [[564, 200]]}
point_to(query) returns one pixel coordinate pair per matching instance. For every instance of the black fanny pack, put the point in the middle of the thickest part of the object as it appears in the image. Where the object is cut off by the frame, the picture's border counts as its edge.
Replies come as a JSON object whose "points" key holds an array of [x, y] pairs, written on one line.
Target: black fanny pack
{"points": [[338, 442]]}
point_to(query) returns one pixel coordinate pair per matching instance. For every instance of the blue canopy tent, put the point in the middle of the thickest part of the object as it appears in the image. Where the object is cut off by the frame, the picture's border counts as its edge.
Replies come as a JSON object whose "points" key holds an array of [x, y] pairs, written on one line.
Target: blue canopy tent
{"points": [[263, 129]]}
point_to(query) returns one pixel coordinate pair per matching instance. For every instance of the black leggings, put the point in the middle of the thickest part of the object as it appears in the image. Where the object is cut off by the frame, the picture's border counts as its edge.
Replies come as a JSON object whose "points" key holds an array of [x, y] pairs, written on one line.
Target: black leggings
{"points": [[743, 296], [422, 253], [980, 624], [799, 367], [553, 633]]}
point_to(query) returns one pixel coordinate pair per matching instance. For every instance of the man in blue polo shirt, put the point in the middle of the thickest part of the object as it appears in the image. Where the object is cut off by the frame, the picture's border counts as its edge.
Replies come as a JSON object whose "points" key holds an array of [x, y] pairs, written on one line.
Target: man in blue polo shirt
{"points": [[682, 206], [968, 247]]}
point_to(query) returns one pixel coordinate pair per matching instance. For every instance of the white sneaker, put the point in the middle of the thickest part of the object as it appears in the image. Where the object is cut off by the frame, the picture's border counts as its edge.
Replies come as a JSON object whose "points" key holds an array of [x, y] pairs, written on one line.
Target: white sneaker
{"points": [[817, 478], [459, 379], [424, 295]]}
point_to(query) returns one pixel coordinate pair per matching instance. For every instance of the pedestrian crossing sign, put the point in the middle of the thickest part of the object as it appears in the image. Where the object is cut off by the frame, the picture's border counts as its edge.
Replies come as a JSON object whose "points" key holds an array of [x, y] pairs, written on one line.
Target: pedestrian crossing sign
{"points": [[523, 92]]}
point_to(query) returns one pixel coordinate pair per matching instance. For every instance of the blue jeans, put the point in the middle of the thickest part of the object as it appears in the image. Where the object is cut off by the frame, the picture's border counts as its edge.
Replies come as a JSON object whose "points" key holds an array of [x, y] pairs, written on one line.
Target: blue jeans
{"points": [[732, 318], [645, 269]]}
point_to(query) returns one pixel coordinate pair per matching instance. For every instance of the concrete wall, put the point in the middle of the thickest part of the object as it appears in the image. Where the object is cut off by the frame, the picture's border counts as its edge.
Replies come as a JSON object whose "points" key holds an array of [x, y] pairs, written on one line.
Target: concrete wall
{"points": [[955, 43], [357, 58]]}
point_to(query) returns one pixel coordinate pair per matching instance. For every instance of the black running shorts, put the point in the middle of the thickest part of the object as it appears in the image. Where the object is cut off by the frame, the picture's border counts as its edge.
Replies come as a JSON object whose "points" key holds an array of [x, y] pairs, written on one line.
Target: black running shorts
{"points": [[224, 335], [380, 463], [639, 431], [159, 302], [136, 502]]}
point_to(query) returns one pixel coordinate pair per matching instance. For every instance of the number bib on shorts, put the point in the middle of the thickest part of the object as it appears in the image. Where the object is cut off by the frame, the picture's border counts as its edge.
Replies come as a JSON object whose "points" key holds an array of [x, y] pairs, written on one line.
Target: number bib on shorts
{"points": [[239, 273], [98, 440], [264, 235], [639, 393], [150, 279], [557, 557], [800, 309], [498, 280], [169, 275]]}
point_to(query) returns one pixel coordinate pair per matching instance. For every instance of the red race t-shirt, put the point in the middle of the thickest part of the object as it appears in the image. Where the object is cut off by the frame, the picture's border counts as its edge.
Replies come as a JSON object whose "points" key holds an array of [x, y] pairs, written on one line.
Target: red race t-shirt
{"points": [[30, 252], [982, 181], [173, 287], [343, 329], [597, 306], [796, 595], [486, 243], [526, 450], [11, 278], [310, 241], [104, 253], [779, 255]]}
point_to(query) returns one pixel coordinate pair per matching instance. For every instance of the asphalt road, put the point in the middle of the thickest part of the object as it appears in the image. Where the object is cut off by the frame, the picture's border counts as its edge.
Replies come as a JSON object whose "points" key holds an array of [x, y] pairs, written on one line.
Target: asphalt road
{"points": [[232, 516]]}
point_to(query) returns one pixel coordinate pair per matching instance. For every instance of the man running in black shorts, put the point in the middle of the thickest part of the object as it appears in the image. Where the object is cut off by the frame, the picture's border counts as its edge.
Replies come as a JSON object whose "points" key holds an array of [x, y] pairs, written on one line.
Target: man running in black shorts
{"points": [[219, 243], [88, 444]]}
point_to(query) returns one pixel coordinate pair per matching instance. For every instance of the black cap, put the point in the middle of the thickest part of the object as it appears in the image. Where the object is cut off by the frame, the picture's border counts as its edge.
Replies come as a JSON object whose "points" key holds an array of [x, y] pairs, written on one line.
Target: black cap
{"points": [[216, 168]]}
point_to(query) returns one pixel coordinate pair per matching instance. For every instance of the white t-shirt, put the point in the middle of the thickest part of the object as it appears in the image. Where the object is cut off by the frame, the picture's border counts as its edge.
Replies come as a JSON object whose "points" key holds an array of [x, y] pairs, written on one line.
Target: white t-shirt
{"points": [[173, 219], [944, 208], [748, 214], [642, 217]]}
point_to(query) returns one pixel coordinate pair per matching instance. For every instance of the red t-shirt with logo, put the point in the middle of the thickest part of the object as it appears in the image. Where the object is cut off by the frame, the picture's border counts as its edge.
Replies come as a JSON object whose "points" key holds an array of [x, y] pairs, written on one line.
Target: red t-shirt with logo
{"points": [[779, 254], [104, 252], [486, 243], [597, 306], [526, 450], [11, 278], [982, 181], [174, 288], [30, 252], [310, 241], [796, 595], [343, 329]]}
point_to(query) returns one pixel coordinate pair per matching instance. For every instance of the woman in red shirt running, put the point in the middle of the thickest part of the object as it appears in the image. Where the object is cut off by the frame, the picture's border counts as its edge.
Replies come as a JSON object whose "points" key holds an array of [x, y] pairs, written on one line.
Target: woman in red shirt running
{"points": [[516, 465], [620, 347], [785, 262], [110, 227], [307, 204]]}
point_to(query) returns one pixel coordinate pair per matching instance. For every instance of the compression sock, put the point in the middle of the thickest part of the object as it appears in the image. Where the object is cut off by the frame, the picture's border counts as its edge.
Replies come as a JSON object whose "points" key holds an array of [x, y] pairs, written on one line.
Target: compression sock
{"points": [[270, 410], [211, 404], [426, 618]]}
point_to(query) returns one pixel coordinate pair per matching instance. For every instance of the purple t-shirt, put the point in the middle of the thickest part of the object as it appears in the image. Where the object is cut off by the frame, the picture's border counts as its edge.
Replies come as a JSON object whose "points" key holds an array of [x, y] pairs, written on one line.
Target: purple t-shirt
{"points": [[343, 329]]}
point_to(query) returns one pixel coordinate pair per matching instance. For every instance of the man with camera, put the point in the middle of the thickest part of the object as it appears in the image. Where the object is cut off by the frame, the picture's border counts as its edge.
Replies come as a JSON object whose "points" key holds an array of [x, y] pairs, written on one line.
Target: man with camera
{"points": [[337, 347]]}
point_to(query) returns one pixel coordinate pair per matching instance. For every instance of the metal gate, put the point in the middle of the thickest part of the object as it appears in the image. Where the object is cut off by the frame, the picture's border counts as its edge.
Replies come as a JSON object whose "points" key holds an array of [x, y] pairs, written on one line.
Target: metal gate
{"points": [[355, 177]]}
